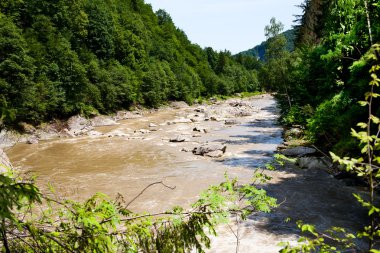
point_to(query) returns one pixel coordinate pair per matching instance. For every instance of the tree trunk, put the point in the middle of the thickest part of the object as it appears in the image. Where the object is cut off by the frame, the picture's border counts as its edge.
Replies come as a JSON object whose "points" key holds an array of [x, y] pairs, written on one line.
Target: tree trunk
{"points": [[368, 22]]}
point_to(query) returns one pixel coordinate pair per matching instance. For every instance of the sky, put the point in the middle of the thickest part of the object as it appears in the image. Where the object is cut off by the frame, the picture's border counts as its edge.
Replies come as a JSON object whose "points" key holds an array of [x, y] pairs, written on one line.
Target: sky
{"points": [[234, 25]]}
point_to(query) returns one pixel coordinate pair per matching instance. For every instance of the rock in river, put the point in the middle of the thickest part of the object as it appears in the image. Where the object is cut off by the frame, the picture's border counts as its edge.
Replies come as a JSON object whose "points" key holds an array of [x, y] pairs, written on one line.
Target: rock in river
{"points": [[200, 130], [230, 122], [178, 138], [212, 150]]}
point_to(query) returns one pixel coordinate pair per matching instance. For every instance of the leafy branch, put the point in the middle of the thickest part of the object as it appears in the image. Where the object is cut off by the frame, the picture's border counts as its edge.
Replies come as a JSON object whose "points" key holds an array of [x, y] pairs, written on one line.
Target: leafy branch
{"points": [[366, 166], [100, 224]]}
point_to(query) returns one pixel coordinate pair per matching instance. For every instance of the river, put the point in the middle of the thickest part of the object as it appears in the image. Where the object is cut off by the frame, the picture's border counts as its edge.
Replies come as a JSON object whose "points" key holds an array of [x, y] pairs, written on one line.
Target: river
{"points": [[133, 158]]}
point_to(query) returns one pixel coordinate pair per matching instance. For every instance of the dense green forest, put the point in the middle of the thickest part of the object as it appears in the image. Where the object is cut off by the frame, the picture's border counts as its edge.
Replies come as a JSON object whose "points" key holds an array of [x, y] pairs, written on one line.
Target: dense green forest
{"points": [[329, 86], [59, 58], [328, 73]]}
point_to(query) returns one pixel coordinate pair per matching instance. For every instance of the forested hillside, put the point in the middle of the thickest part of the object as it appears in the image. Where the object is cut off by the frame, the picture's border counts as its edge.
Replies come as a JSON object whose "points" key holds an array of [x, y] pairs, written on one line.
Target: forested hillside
{"points": [[328, 73], [59, 58], [259, 50]]}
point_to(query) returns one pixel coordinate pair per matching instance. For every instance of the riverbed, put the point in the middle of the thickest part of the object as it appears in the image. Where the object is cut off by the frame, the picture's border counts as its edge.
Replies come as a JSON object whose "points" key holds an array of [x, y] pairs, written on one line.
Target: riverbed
{"points": [[126, 157]]}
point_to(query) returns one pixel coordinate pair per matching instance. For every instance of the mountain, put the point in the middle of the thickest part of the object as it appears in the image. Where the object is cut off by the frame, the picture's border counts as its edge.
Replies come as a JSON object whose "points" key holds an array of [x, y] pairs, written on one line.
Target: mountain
{"points": [[259, 50]]}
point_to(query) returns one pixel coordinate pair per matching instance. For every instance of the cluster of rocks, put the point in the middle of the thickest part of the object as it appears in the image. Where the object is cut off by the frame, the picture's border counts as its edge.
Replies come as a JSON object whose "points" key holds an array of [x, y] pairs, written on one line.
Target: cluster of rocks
{"points": [[80, 126], [73, 127], [241, 108], [238, 108], [299, 151], [306, 158]]}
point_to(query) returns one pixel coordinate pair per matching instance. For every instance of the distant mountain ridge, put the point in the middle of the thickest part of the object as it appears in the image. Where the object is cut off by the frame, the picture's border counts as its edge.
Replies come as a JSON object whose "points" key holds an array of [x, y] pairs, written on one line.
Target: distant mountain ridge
{"points": [[259, 50]]}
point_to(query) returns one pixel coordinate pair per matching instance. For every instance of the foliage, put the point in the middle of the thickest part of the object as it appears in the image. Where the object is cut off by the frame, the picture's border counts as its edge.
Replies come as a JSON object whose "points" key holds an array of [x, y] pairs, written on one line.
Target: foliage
{"points": [[319, 241], [100, 224], [298, 115], [59, 58], [274, 72], [366, 166], [327, 72]]}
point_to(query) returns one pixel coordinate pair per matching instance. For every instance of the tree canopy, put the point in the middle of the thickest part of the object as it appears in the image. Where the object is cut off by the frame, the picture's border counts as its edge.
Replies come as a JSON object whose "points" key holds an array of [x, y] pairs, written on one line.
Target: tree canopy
{"points": [[59, 58], [328, 73]]}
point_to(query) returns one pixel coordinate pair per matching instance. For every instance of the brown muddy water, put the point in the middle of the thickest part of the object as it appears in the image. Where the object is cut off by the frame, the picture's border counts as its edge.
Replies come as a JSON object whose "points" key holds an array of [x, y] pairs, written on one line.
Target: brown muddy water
{"points": [[127, 162]]}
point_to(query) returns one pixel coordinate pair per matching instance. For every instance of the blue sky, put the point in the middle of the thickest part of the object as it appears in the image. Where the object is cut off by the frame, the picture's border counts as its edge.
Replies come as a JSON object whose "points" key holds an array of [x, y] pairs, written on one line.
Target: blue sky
{"points": [[235, 25]]}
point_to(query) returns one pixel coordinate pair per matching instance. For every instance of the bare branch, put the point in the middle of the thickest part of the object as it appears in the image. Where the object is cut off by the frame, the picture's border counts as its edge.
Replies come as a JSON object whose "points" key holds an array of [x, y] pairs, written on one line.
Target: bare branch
{"points": [[146, 188]]}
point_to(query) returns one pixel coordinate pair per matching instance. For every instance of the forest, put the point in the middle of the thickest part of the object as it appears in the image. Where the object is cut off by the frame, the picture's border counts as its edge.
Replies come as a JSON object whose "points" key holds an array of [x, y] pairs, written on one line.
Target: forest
{"points": [[324, 78], [61, 58], [116, 54], [66, 57]]}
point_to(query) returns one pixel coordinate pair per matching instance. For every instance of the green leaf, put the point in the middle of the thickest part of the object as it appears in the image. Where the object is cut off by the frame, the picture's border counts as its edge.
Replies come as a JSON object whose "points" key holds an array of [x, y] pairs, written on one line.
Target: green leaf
{"points": [[375, 119], [309, 228]]}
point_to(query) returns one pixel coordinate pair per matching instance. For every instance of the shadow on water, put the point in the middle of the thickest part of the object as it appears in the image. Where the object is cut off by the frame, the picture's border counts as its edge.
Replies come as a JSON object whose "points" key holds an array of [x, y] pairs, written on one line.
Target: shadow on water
{"points": [[259, 141], [313, 196]]}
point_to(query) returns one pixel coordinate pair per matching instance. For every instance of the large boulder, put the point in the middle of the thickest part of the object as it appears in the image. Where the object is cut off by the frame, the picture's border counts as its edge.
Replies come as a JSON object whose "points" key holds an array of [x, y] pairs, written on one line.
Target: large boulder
{"points": [[178, 138], [299, 151], [78, 125], [212, 150], [179, 104], [322, 163], [103, 121], [8, 138]]}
